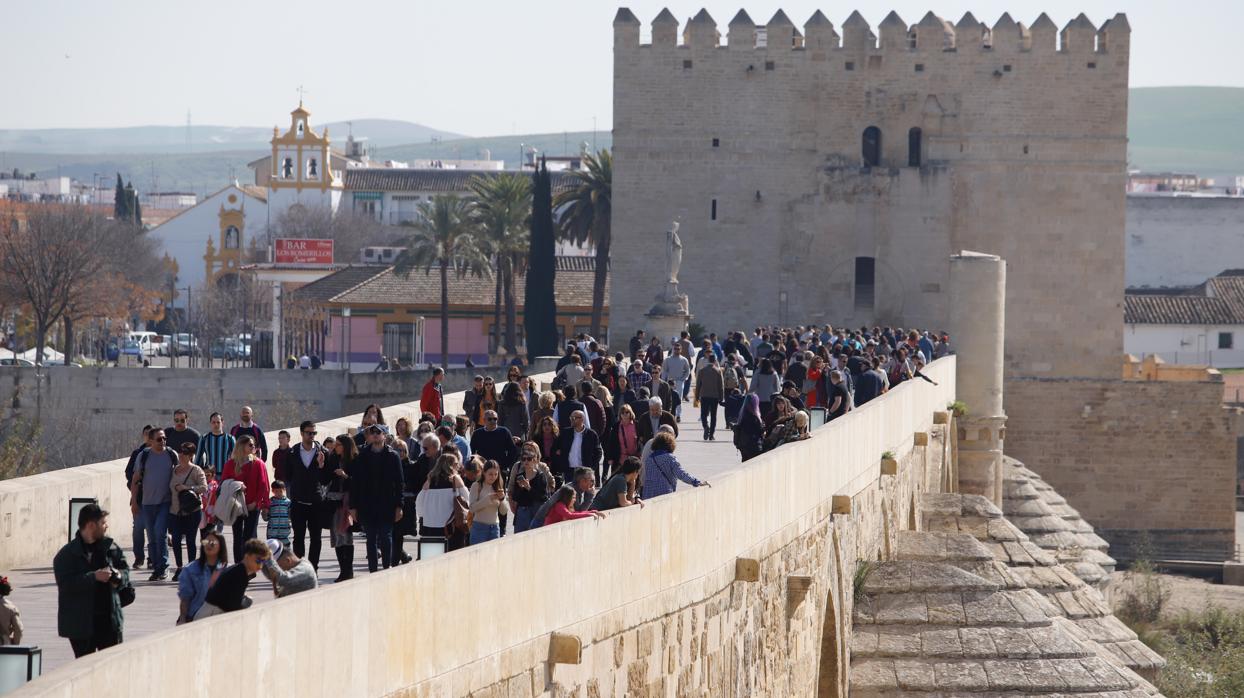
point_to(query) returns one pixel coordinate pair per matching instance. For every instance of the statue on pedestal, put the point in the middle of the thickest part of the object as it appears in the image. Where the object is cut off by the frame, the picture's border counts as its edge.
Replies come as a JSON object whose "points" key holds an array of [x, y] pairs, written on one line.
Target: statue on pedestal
{"points": [[669, 300]]}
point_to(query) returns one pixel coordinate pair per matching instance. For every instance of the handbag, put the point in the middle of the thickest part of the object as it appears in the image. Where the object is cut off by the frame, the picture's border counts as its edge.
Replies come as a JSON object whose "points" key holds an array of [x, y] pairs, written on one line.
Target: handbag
{"points": [[188, 501], [457, 521], [126, 595]]}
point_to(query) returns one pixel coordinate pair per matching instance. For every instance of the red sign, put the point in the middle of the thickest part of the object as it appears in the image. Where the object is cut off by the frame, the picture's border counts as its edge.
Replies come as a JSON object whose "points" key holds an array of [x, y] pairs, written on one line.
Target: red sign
{"points": [[298, 251]]}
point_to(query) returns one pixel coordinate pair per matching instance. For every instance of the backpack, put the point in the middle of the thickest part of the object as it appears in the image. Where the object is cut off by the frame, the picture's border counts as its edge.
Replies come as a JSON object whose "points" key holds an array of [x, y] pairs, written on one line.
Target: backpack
{"points": [[731, 378]]}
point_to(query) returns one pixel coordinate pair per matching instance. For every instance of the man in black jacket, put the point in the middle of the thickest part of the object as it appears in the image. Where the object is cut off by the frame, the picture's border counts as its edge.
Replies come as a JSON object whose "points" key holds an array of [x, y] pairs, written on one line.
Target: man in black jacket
{"points": [[577, 447], [494, 442], [306, 475], [376, 495], [567, 407], [91, 573]]}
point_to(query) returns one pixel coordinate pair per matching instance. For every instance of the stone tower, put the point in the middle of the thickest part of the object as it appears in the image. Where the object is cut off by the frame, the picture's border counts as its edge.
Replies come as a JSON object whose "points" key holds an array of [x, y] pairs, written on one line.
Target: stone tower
{"points": [[826, 175]]}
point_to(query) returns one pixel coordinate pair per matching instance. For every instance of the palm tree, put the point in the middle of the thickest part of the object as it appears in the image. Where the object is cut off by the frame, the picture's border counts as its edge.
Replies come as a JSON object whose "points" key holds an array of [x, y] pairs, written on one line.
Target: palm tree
{"points": [[501, 210], [443, 237], [584, 211]]}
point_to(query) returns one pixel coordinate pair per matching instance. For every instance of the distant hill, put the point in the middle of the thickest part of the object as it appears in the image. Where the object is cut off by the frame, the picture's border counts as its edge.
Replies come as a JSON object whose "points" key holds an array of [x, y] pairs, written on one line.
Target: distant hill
{"points": [[505, 148], [1187, 129], [172, 139]]}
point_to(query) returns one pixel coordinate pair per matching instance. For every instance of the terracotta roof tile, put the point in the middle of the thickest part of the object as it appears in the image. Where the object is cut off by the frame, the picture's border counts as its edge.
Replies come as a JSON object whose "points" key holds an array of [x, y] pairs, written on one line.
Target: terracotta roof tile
{"points": [[1178, 309]]}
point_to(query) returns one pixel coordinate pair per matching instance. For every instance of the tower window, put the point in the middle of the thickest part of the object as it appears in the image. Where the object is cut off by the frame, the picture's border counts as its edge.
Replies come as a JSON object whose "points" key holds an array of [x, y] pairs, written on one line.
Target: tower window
{"points": [[1006, 68], [1092, 66], [865, 284], [313, 168], [872, 146], [287, 168], [716, 142], [919, 67], [1226, 340], [302, 127], [769, 65], [712, 215], [232, 238], [913, 147], [686, 64], [850, 65]]}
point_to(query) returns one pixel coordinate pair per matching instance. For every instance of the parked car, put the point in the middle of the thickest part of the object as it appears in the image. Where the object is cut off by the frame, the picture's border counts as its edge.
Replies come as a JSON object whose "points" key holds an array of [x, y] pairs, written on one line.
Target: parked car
{"points": [[148, 342], [163, 344], [16, 361], [184, 343], [131, 347]]}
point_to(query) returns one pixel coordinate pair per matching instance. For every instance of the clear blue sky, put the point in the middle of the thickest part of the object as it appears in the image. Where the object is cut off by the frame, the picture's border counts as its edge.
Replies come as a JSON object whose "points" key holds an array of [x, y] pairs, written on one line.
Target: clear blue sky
{"points": [[490, 67]]}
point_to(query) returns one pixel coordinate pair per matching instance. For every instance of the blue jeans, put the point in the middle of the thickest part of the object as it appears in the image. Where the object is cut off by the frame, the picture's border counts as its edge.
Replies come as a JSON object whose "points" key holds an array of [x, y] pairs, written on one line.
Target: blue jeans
{"points": [[523, 517], [484, 532], [379, 535], [155, 516], [140, 537]]}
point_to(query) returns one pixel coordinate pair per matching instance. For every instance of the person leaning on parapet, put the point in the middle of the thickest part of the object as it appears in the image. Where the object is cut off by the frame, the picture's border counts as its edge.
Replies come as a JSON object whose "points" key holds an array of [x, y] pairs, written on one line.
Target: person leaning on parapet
{"points": [[92, 584], [288, 573], [431, 399], [229, 592]]}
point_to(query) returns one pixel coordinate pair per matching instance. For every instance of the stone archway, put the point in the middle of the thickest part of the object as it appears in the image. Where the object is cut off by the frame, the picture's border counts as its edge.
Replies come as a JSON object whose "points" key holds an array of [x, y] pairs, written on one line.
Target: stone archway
{"points": [[831, 674]]}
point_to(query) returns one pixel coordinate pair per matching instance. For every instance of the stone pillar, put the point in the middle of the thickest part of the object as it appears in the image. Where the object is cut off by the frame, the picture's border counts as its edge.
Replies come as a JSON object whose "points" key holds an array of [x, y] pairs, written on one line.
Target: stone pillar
{"points": [[977, 321]]}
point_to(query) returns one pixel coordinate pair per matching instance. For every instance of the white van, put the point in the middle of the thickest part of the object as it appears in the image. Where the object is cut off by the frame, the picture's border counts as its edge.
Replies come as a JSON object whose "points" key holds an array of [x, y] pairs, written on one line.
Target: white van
{"points": [[148, 342]]}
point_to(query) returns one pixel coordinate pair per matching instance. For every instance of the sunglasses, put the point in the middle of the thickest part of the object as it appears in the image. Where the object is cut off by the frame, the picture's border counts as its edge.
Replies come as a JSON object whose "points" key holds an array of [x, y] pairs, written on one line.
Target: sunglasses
{"points": [[490, 419], [161, 438], [311, 433], [179, 421]]}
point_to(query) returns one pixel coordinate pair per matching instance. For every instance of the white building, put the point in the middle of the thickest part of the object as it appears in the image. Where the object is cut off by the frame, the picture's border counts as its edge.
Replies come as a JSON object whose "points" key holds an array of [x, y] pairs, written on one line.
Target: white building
{"points": [[1203, 324], [170, 199], [301, 171], [1182, 240], [210, 239], [48, 188]]}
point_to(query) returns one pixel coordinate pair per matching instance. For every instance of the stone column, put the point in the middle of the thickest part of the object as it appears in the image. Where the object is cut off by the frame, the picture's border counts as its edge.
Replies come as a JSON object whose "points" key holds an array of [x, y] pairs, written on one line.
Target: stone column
{"points": [[977, 321]]}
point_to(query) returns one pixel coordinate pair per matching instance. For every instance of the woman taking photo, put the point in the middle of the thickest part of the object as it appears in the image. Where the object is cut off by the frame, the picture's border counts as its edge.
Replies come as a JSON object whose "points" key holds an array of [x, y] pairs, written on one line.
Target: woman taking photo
{"points": [[530, 484], [188, 484], [488, 504], [253, 475], [340, 463], [200, 575]]}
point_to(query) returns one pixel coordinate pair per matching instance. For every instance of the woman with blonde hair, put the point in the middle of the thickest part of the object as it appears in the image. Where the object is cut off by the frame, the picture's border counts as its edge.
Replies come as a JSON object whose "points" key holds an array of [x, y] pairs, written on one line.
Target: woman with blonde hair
{"points": [[252, 473]]}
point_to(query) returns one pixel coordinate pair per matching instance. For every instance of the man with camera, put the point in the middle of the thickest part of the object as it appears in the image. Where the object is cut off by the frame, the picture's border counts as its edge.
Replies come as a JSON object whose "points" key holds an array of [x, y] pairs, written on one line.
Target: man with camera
{"points": [[92, 584]]}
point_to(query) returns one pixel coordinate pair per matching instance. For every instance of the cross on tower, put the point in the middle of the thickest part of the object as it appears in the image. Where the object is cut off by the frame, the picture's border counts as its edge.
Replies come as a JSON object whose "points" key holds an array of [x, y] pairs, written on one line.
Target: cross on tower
{"points": [[301, 92]]}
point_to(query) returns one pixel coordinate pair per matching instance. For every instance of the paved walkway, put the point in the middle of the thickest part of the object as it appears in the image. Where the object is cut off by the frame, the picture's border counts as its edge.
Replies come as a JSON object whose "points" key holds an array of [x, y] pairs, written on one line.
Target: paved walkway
{"points": [[156, 608]]}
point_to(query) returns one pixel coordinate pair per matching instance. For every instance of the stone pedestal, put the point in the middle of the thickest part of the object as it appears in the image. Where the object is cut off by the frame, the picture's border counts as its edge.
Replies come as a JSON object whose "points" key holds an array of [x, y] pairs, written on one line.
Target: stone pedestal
{"points": [[980, 456], [665, 326]]}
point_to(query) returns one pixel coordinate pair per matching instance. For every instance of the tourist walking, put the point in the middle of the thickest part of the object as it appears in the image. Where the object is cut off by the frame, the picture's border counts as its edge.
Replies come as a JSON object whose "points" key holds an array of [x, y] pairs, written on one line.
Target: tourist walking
{"points": [[151, 490], [765, 383], [139, 536], [247, 426], [252, 474], [180, 432], [710, 390], [308, 478], [340, 464], [92, 585], [215, 447], [431, 399], [186, 505], [376, 496]]}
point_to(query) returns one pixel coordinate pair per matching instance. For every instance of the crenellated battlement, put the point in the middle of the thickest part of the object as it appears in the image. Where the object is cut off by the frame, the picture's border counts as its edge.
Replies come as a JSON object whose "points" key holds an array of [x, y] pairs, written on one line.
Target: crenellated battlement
{"points": [[892, 35]]}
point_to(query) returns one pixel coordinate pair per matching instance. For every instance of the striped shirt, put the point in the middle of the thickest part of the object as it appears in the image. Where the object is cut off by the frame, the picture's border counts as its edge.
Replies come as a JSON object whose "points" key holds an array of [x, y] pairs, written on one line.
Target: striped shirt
{"points": [[214, 450], [278, 519]]}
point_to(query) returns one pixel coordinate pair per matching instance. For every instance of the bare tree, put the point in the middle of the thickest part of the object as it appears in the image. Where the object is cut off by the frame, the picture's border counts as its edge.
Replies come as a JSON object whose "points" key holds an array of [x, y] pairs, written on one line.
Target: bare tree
{"points": [[350, 232], [55, 262]]}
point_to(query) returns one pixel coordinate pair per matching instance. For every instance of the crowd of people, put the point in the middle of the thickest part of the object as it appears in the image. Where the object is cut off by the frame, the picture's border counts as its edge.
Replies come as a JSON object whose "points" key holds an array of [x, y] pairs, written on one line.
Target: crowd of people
{"points": [[604, 436]]}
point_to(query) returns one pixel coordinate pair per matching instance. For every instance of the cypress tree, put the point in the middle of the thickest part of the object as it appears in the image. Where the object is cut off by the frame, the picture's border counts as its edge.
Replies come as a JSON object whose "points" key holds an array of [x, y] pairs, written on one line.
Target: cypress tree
{"points": [[120, 202], [540, 306]]}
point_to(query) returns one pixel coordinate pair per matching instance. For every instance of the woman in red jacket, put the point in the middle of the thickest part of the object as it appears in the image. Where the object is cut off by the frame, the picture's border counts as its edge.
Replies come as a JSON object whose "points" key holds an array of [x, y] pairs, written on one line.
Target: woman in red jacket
{"points": [[253, 474], [563, 511]]}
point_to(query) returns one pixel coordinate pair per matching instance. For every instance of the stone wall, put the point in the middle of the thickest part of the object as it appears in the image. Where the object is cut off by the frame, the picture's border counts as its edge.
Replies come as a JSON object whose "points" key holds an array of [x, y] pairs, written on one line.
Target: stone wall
{"points": [[757, 152], [1136, 458], [95, 414], [658, 601]]}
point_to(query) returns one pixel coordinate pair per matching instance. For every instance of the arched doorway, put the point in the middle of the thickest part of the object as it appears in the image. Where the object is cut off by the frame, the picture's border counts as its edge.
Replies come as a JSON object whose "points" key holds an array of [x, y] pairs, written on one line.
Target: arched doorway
{"points": [[871, 146]]}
